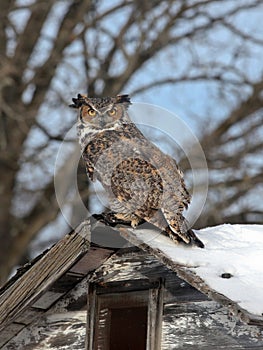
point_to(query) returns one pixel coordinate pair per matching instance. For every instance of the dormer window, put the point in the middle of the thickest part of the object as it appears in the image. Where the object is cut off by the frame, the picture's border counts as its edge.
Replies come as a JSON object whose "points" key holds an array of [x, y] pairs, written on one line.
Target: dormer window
{"points": [[120, 318]]}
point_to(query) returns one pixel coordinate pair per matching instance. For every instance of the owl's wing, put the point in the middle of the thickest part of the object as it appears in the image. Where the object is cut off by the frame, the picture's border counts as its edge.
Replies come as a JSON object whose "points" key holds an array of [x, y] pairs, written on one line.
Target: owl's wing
{"points": [[175, 192], [173, 196], [89, 166]]}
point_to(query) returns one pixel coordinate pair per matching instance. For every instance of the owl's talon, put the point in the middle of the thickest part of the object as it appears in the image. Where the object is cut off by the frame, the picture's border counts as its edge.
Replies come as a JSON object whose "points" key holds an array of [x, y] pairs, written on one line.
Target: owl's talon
{"points": [[111, 219]]}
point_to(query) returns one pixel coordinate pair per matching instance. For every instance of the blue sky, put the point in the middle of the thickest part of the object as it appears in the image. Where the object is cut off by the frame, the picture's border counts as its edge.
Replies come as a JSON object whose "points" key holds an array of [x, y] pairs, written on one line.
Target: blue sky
{"points": [[199, 104]]}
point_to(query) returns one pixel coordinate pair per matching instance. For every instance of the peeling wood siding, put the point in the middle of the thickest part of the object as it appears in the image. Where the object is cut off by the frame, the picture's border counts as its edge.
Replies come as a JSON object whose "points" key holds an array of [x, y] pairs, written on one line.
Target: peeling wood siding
{"points": [[103, 328], [134, 265], [7, 332], [76, 299], [136, 268], [131, 265], [205, 326], [71, 308], [64, 331]]}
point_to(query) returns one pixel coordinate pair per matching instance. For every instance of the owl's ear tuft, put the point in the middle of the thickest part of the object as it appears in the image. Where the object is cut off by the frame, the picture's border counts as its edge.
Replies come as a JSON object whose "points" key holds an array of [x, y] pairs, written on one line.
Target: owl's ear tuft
{"points": [[123, 99], [78, 102]]}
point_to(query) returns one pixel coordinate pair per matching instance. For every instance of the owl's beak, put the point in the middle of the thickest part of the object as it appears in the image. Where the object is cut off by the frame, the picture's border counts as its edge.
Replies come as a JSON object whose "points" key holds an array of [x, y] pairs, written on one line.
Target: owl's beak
{"points": [[102, 122]]}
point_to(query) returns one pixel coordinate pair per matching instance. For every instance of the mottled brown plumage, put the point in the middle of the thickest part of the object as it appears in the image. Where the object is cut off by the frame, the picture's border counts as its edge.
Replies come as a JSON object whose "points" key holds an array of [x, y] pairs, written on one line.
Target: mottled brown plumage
{"points": [[141, 181]]}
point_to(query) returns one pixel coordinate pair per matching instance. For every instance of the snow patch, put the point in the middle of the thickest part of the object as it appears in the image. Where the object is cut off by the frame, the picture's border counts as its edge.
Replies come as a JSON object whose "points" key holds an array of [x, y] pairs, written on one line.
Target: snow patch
{"points": [[231, 251]]}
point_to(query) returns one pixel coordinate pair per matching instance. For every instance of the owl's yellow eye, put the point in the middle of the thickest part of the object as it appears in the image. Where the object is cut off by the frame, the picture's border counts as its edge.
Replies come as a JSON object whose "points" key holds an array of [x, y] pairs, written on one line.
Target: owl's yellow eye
{"points": [[112, 112], [91, 112]]}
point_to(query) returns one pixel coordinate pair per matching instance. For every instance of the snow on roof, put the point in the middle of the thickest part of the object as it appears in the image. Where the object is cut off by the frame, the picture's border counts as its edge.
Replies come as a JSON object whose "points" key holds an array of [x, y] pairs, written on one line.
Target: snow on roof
{"points": [[230, 264]]}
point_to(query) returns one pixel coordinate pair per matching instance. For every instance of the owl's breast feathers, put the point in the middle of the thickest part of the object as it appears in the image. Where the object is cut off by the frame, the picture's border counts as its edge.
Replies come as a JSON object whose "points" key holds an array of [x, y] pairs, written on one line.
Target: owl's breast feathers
{"points": [[107, 142], [130, 167]]}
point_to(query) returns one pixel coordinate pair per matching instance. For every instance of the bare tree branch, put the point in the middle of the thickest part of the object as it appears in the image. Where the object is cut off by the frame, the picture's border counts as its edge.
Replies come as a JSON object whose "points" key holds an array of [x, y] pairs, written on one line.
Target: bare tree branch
{"points": [[45, 73], [243, 111], [100, 49], [25, 47]]}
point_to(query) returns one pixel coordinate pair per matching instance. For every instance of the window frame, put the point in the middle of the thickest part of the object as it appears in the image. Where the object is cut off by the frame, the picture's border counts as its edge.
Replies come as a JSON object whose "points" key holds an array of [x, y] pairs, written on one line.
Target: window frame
{"points": [[120, 294]]}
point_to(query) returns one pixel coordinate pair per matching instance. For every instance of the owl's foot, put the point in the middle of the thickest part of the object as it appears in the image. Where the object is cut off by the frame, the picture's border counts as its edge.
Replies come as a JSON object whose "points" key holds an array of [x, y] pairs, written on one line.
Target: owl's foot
{"points": [[133, 219], [113, 219], [108, 219]]}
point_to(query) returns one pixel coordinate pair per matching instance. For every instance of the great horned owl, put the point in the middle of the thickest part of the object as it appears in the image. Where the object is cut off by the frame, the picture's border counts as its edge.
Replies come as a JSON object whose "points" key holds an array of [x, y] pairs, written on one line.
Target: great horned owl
{"points": [[142, 183]]}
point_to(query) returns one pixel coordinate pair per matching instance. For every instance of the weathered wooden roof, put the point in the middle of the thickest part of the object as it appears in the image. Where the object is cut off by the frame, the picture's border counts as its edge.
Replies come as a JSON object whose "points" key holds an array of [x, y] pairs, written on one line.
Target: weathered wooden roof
{"points": [[39, 285]]}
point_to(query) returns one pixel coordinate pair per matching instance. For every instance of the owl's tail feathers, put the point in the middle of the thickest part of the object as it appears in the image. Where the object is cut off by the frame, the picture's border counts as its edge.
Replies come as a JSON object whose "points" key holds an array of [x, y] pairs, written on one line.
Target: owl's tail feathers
{"points": [[178, 226], [188, 237], [194, 239]]}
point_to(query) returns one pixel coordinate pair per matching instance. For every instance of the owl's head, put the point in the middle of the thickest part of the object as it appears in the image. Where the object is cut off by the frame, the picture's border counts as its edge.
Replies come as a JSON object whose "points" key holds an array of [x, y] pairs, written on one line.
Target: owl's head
{"points": [[102, 113]]}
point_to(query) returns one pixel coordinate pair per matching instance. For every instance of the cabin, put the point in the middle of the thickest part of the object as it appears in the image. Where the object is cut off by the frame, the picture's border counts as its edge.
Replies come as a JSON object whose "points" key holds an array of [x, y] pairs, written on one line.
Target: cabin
{"points": [[119, 288]]}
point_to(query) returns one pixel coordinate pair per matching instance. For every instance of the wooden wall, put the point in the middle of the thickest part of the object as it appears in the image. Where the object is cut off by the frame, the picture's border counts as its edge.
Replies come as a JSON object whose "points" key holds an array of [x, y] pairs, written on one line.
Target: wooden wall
{"points": [[190, 320]]}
